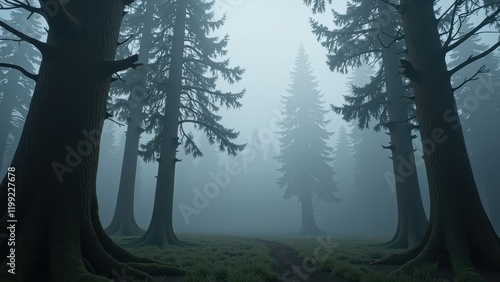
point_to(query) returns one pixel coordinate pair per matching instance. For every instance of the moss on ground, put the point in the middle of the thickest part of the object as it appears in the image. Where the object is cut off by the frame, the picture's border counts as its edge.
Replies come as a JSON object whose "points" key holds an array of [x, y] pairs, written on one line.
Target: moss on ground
{"points": [[350, 259], [214, 258], [221, 258]]}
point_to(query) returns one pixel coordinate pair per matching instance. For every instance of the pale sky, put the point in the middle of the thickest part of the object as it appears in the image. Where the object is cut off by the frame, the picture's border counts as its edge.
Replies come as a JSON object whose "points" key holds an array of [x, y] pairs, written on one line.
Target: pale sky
{"points": [[264, 39]]}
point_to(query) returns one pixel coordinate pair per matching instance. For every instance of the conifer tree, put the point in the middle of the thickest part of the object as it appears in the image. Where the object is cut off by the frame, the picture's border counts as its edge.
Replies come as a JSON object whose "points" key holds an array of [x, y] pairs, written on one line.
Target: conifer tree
{"points": [[137, 87], [190, 61], [110, 154], [56, 161], [459, 227], [368, 32], [305, 157]]}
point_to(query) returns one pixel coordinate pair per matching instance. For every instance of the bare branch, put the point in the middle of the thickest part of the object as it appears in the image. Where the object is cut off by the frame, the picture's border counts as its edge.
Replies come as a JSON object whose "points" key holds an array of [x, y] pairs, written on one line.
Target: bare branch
{"points": [[43, 47], [411, 98], [399, 36], [21, 69], [392, 123], [118, 77], [445, 12], [125, 40], [11, 39], [16, 4], [472, 58], [390, 147], [452, 24], [473, 77], [489, 19], [111, 67]]}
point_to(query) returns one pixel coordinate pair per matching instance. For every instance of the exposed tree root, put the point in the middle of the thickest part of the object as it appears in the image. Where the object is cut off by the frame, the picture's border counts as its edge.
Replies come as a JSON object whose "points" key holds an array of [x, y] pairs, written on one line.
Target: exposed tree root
{"points": [[451, 241], [161, 239], [144, 264], [410, 229], [393, 239], [68, 244], [401, 258], [121, 228], [399, 241]]}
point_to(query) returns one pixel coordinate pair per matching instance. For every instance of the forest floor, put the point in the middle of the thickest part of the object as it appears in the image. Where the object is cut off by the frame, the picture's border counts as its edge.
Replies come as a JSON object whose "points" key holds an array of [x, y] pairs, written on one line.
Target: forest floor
{"points": [[294, 258], [291, 265]]}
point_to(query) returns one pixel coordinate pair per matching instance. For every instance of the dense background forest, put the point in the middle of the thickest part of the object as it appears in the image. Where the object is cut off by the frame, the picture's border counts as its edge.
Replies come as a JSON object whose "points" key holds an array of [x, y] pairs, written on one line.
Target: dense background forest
{"points": [[249, 140]]}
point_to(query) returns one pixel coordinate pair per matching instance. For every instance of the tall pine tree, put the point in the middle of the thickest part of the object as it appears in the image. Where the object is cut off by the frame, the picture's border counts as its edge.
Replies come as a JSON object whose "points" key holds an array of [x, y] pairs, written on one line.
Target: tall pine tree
{"points": [[192, 62], [130, 109], [368, 32], [305, 156]]}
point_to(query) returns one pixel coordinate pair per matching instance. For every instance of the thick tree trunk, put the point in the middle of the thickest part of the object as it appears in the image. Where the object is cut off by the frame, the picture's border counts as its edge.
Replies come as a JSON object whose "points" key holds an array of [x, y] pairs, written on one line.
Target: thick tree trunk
{"points": [[412, 221], [308, 222], [160, 231], [58, 236], [458, 224], [493, 198], [123, 223], [485, 160]]}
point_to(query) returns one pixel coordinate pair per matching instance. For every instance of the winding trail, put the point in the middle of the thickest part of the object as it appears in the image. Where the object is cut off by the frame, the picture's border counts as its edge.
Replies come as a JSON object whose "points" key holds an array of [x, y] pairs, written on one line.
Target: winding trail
{"points": [[291, 268]]}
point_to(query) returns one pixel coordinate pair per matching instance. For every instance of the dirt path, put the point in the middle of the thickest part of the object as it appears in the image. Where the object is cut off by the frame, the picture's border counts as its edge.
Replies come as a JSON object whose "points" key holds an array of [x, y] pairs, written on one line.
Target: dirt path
{"points": [[291, 268]]}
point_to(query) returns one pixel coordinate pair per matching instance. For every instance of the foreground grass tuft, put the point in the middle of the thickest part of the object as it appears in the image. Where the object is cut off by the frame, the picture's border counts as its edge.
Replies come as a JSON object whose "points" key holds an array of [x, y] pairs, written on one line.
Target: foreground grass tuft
{"points": [[217, 258], [349, 259]]}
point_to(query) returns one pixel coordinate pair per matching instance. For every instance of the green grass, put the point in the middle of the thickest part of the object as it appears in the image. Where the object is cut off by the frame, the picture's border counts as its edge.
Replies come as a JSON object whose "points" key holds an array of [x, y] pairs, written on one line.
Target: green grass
{"points": [[215, 259], [219, 258], [350, 258]]}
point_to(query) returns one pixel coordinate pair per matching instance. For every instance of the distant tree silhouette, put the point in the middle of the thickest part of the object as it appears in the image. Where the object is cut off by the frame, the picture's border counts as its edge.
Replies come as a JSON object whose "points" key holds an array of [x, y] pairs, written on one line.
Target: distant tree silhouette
{"points": [[305, 157], [110, 157], [343, 162], [15, 88], [138, 84], [210, 160], [197, 181], [372, 189]]}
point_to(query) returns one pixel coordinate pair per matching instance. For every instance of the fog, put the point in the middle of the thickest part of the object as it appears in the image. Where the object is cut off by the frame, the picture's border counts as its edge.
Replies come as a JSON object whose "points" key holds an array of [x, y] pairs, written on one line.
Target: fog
{"points": [[224, 194], [264, 39], [250, 140]]}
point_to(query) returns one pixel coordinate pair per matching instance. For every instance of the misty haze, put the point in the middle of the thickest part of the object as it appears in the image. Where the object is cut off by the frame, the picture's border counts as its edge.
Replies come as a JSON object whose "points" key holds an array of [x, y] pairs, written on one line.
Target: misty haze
{"points": [[249, 140]]}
